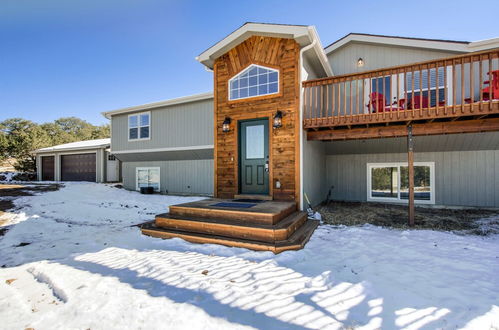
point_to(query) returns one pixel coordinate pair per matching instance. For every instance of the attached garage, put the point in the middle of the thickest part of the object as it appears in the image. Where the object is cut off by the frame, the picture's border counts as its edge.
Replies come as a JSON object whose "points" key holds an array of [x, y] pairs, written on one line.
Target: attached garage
{"points": [[78, 167], [48, 168], [78, 161]]}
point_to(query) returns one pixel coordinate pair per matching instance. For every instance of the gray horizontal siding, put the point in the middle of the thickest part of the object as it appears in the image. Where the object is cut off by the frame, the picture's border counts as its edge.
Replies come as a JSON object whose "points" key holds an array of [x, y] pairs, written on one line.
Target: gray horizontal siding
{"points": [[344, 60], [462, 178], [177, 177], [180, 125]]}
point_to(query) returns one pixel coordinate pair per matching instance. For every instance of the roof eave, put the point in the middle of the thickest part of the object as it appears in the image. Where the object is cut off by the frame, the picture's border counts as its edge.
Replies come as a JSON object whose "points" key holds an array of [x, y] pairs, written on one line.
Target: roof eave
{"points": [[448, 45], [104, 146], [154, 105]]}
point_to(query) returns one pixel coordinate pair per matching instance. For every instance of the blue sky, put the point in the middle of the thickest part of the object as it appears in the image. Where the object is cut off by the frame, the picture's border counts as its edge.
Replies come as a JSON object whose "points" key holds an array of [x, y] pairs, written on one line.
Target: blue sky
{"points": [[78, 58]]}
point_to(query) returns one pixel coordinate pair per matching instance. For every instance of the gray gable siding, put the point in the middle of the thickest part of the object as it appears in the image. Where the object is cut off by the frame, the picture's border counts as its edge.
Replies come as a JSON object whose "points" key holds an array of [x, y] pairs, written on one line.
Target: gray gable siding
{"points": [[181, 125], [375, 56]]}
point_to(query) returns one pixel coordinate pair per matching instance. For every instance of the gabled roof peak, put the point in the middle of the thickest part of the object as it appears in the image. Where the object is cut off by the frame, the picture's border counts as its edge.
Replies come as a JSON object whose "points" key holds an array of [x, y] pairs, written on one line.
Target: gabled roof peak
{"points": [[304, 35]]}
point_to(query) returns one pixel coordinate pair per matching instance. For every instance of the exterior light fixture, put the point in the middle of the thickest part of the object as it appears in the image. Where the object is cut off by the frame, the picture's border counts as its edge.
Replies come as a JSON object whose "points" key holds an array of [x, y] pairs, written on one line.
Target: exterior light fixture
{"points": [[360, 62], [226, 125], [277, 120]]}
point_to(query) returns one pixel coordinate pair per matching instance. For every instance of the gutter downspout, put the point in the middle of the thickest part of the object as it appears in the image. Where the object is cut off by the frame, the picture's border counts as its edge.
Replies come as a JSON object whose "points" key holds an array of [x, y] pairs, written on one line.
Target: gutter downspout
{"points": [[303, 50]]}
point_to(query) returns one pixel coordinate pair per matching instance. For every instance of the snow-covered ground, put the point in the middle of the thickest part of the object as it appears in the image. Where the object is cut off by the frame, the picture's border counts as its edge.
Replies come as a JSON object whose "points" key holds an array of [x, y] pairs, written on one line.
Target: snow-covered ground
{"points": [[86, 267]]}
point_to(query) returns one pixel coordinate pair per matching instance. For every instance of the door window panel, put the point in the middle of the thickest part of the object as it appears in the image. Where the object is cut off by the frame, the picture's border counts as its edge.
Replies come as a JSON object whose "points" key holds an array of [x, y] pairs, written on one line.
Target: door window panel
{"points": [[255, 144]]}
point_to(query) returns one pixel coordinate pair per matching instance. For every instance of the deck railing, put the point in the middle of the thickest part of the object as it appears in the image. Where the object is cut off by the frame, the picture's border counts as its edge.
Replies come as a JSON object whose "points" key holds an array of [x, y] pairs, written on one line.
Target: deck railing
{"points": [[464, 85]]}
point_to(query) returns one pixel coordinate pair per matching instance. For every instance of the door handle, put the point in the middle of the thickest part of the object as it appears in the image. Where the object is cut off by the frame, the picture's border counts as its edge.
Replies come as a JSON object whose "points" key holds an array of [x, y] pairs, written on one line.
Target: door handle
{"points": [[267, 166]]}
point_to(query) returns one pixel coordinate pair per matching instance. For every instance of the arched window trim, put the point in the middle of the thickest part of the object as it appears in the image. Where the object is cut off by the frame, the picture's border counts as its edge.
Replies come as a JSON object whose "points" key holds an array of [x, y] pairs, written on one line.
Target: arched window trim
{"points": [[258, 94]]}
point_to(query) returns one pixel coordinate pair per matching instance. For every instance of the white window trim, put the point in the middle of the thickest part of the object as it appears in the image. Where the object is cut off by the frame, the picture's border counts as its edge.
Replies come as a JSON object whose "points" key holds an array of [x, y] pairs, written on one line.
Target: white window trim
{"points": [[259, 66], [431, 165], [137, 169], [139, 126]]}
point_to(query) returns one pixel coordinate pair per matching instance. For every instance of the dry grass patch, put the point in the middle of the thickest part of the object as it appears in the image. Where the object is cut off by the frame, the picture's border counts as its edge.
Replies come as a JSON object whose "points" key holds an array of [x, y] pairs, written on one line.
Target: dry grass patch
{"points": [[474, 221]]}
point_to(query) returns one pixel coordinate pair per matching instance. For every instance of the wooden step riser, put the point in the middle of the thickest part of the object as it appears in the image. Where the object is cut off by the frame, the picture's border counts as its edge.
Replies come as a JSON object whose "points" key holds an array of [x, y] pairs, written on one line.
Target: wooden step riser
{"points": [[298, 241], [207, 240], [234, 231], [251, 217]]}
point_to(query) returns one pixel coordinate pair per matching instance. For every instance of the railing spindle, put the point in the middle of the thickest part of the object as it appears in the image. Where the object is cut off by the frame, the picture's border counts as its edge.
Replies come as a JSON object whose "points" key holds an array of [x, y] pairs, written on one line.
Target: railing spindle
{"points": [[357, 103], [344, 100], [454, 87], [446, 98], [437, 89], [480, 82], [406, 101], [350, 97], [472, 84], [462, 85], [333, 91], [398, 93], [491, 91], [420, 91], [412, 92]]}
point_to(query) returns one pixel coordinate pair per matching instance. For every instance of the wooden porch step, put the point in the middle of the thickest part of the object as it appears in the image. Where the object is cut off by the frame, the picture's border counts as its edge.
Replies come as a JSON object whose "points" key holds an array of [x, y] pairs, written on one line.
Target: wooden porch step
{"points": [[266, 213], [254, 197], [234, 228], [297, 240]]}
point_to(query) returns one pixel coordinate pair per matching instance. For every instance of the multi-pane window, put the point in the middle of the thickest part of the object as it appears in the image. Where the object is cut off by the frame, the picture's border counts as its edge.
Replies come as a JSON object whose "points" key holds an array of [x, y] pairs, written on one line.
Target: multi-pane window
{"points": [[254, 81], [390, 182], [148, 177], [139, 126], [420, 79]]}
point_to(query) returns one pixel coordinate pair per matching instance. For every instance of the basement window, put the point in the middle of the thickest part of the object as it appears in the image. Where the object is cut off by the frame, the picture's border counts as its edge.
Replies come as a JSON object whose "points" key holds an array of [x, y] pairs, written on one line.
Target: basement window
{"points": [[389, 182], [139, 126], [254, 81], [148, 177]]}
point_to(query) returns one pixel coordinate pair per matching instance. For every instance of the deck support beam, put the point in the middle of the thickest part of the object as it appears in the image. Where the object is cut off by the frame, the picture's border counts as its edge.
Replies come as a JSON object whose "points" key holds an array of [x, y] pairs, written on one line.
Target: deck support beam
{"points": [[434, 128], [410, 166]]}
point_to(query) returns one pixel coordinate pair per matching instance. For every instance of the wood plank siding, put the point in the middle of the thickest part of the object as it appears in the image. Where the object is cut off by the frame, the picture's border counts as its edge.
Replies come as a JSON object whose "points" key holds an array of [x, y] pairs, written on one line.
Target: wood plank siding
{"points": [[276, 53]]}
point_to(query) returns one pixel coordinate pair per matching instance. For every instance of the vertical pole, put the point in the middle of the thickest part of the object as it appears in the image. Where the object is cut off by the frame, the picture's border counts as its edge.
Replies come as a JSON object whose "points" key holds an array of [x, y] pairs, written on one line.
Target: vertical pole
{"points": [[410, 167]]}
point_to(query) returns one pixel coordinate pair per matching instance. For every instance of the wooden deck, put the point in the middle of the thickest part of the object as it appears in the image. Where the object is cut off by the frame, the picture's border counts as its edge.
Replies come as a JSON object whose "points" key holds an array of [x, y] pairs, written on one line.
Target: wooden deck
{"points": [[267, 226], [452, 92]]}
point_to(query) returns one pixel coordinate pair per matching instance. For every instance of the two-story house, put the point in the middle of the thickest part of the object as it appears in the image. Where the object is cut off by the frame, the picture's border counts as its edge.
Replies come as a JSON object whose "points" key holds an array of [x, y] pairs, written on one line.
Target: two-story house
{"points": [[289, 117], [367, 118]]}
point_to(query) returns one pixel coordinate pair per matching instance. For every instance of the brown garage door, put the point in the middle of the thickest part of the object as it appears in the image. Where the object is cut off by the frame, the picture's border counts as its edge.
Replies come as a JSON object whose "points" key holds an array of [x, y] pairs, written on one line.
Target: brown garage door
{"points": [[79, 167], [48, 168]]}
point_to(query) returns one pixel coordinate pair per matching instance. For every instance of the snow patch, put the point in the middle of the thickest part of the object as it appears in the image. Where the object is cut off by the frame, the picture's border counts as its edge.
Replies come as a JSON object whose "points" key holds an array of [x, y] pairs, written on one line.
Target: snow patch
{"points": [[84, 251], [43, 278]]}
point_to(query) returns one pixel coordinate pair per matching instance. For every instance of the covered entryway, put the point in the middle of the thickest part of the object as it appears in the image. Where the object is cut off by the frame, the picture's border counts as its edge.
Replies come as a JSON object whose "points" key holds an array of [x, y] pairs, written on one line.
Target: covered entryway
{"points": [[78, 167], [254, 156], [48, 168]]}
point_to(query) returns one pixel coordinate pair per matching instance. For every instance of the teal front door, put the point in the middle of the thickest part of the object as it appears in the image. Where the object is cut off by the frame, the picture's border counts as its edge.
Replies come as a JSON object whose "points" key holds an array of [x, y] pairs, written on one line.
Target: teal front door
{"points": [[254, 157]]}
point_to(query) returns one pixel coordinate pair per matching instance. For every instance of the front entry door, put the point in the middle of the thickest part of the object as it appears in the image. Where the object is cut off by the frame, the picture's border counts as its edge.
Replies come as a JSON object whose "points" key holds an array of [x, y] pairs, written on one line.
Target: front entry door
{"points": [[254, 157]]}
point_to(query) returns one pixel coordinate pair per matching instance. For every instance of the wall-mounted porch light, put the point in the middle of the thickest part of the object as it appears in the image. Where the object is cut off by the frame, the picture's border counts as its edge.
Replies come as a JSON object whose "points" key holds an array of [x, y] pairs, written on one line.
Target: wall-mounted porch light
{"points": [[226, 125], [360, 62], [277, 120]]}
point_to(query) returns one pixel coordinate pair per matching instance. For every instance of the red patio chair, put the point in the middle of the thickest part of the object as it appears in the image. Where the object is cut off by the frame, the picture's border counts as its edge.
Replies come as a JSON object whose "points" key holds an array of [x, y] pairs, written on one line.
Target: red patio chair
{"points": [[377, 102], [495, 87], [418, 102]]}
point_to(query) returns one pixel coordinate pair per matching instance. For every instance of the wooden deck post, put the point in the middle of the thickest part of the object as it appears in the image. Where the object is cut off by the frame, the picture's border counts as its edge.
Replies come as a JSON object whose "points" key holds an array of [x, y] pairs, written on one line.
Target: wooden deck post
{"points": [[410, 167]]}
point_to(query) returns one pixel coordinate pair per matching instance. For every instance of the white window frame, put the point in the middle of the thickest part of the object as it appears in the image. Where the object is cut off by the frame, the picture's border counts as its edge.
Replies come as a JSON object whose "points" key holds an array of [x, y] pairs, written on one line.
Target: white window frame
{"points": [[370, 166], [137, 169], [139, 126], [260, 95]]}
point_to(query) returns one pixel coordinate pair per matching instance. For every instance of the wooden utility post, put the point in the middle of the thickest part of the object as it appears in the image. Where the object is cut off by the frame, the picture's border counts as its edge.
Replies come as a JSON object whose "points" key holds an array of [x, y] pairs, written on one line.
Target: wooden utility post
{"points": [[410, 167]]}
